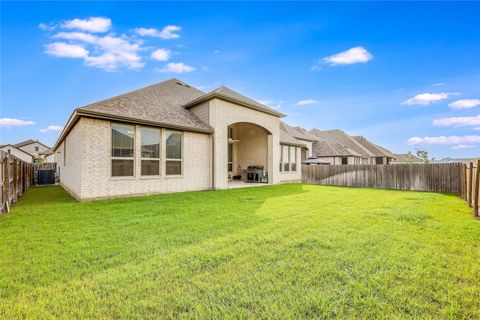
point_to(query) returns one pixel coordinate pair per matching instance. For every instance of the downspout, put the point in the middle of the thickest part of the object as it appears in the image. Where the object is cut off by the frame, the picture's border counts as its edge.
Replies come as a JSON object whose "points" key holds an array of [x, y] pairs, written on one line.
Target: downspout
{"points": [[213, 161]]}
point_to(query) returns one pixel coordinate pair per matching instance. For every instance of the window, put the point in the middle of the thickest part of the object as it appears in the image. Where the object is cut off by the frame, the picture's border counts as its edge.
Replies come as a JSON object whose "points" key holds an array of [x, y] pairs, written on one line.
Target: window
{"points": [[293, 158], [344, 160], [230, 157], [173, 144], [36, 148], [150, 152], [286, 158], [123, 138]]}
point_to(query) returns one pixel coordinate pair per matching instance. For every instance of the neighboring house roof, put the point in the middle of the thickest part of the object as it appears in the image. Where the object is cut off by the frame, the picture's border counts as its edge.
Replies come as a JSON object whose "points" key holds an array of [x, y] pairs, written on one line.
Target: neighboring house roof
{"points": [[27, 142], [455, 160], [227, 94], [47, 152], [406, 157], [285, 138], [342, 138], [8, 146], [327, 149], [298, 132], [376, 150], [314, 160]]}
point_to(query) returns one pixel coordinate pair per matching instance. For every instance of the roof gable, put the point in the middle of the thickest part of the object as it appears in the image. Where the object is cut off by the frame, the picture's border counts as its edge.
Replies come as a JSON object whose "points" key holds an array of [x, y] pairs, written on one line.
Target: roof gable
{"points": [[227, 94]]}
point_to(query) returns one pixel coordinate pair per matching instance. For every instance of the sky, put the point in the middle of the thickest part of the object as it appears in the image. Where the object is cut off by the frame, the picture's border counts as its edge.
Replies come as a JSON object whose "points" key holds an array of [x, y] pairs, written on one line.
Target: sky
{"points": [[404, 75]]}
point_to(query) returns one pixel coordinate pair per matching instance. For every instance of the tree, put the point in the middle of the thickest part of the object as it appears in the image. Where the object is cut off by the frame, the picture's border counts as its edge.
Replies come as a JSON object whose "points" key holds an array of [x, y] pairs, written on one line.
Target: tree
{"points": [[423, 154]]}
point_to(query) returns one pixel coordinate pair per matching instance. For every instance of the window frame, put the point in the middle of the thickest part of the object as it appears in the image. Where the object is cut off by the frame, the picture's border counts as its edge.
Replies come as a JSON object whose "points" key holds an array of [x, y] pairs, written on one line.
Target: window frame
{"points": [[159, 159], [182, 147], [133, 158], [285, 162], [293, 164]]}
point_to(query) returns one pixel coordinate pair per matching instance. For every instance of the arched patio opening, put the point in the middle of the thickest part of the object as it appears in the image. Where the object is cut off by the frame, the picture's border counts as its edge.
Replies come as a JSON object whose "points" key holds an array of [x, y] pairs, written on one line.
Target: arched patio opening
{"points": [[248, 154]]}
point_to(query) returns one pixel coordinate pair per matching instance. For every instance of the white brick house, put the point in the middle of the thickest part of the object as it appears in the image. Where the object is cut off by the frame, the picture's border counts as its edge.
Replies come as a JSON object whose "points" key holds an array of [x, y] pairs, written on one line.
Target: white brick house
{"points": [[171, 137]]}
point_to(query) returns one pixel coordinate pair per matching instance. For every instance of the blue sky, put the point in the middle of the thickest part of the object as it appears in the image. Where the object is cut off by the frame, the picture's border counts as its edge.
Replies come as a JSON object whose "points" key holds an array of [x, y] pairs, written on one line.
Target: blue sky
{"points": [[405, 75]]}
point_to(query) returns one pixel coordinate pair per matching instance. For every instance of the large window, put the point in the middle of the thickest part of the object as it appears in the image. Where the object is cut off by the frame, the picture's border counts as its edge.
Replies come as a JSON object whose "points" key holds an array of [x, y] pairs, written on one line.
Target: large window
{"points": [[150, 152], [286, 158], [123, 138], [293, 158], [173, 144]]}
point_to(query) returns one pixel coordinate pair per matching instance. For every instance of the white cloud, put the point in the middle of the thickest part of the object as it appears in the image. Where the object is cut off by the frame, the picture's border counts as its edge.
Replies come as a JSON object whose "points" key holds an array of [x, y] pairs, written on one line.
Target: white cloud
{"points": [[81, 36], [305, 102], [168, 32], [161, 54], [353, 55], [177, 67], [315, 68], [116, 52], [52, 128], [464, 146], [438, 84], [46, 27], [10, 122], [476, 129], [92, 24], [444, 140], [457, 121], [272, 104], [427, 98], [464, 104], [66, 50]]}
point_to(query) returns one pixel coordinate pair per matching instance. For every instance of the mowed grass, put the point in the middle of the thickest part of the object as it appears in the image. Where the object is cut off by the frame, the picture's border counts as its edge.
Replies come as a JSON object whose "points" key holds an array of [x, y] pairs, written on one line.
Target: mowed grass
{"points": [[276, 252]]}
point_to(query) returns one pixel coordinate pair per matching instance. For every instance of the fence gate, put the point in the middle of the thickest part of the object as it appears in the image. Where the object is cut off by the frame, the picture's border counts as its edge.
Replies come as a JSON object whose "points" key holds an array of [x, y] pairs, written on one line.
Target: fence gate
{"points": [[46, 177], [45, 173]]}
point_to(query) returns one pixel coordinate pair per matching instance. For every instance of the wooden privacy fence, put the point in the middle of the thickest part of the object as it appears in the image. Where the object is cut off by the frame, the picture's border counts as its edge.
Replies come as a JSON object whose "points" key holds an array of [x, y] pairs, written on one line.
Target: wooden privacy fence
{"points": [[421, 177], [471, 185], [16, 177]]}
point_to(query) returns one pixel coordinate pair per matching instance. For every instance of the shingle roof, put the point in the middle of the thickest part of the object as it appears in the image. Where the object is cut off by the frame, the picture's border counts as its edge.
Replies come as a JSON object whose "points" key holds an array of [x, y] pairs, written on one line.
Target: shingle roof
{"points": [[298, 132], [47, 152], [327, 149], [376, 150], [161, 103], [340, 137], [314, 160], [24, 143], [285, 138], [228, 94], [407, 157]]}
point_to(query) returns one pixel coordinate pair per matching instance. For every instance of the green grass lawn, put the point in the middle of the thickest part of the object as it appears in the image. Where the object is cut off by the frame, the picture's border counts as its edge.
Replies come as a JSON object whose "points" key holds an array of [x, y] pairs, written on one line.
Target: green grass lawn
{"points": [[278, 252]]}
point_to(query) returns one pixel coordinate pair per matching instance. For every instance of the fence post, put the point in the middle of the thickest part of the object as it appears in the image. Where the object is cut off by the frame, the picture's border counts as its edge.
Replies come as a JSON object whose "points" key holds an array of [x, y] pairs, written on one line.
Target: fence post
{"points": [[470, 184], [477, 193]]}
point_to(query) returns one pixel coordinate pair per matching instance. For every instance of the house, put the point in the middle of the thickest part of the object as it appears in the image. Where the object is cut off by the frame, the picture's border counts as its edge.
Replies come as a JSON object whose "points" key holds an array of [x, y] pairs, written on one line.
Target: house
{"points": [[335, 153], [34, 147], [382, 155], [456, 160], [17, 152], [171, 137], [405, 158], [363, 151]]}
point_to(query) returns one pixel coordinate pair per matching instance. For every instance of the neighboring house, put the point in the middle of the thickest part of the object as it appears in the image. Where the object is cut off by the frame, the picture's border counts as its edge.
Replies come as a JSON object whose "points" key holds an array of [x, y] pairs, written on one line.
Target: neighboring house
{"points": [[33, 147], [382, 155], [367, 152], [335, 153], [17, 152], [48, 156], [171, 137], [404, 158]]}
